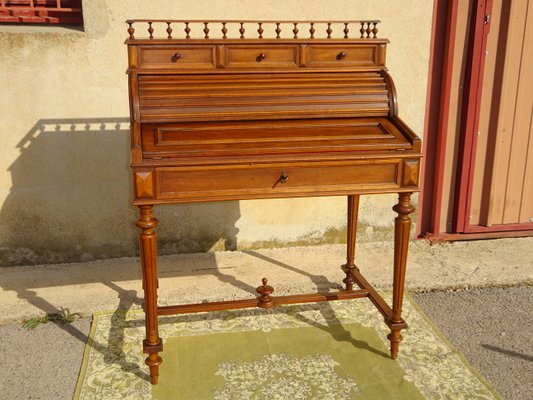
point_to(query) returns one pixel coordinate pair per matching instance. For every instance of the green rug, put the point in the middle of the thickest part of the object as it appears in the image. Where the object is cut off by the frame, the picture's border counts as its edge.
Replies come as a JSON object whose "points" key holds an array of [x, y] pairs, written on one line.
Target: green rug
{"points": [[335, 350]]}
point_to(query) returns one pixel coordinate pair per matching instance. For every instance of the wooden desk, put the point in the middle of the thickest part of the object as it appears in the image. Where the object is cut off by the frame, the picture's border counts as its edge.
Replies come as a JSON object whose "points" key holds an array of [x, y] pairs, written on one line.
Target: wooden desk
{"points": [[246, 118]]}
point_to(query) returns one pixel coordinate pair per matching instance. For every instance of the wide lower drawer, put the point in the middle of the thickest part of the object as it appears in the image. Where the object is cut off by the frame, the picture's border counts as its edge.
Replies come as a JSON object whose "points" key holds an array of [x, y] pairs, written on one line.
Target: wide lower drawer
{"points": [[283, 180]]}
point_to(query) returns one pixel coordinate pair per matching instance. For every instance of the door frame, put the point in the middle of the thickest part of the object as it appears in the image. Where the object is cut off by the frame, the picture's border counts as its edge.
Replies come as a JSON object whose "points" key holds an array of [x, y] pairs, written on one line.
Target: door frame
{"points": [[436, 126]]}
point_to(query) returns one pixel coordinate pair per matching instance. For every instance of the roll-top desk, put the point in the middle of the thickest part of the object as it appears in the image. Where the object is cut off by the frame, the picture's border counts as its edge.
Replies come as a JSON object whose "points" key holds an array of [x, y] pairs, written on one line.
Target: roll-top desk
{"points": [[233, 113]]}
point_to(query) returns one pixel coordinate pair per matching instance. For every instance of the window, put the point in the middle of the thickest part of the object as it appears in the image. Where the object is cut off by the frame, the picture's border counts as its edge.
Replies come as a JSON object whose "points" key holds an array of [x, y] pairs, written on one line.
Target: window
{"points": [[63, 12]]}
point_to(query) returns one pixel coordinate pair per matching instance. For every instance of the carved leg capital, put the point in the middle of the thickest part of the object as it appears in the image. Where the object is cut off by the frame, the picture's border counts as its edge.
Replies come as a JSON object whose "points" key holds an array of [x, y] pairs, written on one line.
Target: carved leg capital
{"points": [[147, 221], [404, 208]]}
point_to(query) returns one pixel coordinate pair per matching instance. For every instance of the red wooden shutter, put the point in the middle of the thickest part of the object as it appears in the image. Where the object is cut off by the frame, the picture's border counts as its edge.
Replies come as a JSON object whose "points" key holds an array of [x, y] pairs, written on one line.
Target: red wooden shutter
{"points": [[64, 12]]}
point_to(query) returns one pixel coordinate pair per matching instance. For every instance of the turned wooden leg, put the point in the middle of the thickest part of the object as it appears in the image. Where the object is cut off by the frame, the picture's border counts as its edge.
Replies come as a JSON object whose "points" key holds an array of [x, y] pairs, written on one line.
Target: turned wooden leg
{"points": [[148, 247], [402, 228], [353, 208]]}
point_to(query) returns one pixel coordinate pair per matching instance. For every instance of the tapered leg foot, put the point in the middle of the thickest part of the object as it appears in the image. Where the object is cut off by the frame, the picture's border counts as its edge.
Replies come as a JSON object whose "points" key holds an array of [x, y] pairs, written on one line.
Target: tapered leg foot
{"points": [[348, 281], [153, 361], [395, 338]]}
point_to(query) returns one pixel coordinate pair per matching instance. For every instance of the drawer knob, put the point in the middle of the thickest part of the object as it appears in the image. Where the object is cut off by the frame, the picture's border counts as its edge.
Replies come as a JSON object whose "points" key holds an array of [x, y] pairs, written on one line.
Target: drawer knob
{"points": [[176, 57], [260, 57], [341, 55]]}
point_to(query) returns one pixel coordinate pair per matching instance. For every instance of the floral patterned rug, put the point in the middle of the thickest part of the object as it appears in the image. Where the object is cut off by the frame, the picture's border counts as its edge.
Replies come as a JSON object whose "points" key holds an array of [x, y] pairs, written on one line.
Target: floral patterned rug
{"points": [[336, 350]]}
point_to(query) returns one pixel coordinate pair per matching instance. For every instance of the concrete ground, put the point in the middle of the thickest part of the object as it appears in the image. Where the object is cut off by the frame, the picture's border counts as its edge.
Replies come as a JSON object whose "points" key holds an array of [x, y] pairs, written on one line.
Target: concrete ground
{"points": [[492, 327]]}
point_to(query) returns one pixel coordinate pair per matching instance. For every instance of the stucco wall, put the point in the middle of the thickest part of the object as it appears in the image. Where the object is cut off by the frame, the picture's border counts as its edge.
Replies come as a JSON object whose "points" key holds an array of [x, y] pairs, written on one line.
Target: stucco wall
{"points": [[65, 189]]}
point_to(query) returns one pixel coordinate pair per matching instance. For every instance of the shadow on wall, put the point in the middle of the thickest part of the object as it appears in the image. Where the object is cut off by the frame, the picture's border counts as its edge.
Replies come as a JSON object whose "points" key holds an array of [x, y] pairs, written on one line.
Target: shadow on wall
{"points": [[71, 200]]}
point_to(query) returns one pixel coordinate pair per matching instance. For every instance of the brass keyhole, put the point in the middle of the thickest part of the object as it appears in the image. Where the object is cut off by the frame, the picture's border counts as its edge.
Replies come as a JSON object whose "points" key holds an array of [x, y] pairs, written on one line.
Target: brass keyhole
{"points": [[283, 178]]}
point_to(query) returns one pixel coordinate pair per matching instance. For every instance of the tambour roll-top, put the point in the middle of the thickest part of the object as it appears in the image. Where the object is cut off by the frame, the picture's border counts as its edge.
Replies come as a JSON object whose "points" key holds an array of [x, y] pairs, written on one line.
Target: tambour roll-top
{"points": [[180, 98]]}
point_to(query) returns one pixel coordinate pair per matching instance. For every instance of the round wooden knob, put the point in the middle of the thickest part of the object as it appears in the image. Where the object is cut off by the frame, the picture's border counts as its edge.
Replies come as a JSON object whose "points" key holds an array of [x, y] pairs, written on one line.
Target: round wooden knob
{"points": [[283, 177], [176, 57], [265, 301], [341, 55], [260, 57], [265, 289]]}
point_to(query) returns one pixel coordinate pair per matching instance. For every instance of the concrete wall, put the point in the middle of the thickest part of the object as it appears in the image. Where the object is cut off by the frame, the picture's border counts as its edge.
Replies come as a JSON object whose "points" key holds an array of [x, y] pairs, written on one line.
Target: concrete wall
{"points": [[65, 188]]}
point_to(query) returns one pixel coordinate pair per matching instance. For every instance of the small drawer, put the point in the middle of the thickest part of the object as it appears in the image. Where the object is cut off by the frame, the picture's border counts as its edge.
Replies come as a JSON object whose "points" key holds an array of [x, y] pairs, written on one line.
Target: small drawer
{"points": [[318, 56], [177, 57], [283, 180], [261, 56]]}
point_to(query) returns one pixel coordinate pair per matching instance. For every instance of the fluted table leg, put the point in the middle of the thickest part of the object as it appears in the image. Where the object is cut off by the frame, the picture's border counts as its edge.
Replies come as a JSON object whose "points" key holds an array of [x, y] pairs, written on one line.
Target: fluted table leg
{"points": [[402, 228], [353, 209], [148, 247]]}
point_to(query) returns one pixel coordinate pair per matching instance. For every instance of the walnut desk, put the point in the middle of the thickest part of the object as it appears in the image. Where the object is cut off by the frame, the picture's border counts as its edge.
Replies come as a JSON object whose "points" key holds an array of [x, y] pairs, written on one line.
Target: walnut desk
{"points": [[306, 110]]}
